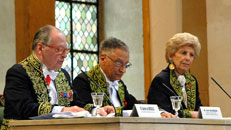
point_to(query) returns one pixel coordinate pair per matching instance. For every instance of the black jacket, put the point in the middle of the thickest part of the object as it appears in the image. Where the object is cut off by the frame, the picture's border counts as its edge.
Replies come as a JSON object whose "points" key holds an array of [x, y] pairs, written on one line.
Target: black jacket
{"points": [[160, 95]]}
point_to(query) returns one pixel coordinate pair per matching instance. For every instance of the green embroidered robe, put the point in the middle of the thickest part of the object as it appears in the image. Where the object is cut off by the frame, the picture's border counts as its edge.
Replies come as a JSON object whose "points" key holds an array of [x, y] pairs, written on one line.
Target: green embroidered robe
{"points": [[26, 93], [84, 87], [160, 95]]}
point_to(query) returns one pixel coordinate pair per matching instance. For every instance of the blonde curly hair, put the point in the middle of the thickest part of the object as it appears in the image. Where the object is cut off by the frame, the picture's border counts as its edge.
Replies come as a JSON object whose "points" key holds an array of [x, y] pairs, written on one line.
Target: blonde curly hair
{"points": [[179, 40]]}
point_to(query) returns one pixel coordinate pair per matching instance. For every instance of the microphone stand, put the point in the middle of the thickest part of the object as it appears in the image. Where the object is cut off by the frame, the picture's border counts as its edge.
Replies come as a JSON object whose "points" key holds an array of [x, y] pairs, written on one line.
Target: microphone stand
{"points": [[220, 87], [100, 89], [169, 89], [171, 92]]}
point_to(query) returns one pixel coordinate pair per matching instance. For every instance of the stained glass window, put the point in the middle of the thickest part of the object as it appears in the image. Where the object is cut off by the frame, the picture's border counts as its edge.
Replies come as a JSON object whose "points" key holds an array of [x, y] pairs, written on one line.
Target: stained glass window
{"points": [[78, 19]]}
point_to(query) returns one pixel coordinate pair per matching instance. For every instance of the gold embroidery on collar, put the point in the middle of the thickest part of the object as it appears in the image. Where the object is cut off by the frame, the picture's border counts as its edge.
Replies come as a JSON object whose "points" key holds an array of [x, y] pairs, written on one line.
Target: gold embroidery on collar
{"points": [[33, 68]]}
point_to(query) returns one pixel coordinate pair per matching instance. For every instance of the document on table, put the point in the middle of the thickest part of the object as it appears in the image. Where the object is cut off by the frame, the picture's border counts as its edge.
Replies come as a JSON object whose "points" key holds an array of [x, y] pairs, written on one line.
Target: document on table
{"points": [[72, 114], [63, 115]]}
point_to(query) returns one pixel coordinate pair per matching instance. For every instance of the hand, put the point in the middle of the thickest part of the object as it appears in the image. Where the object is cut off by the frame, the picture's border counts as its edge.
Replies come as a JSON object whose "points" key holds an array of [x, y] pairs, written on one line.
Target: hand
{"points": [[104, 111], [167, 115], [194, 114], [73, 109]]}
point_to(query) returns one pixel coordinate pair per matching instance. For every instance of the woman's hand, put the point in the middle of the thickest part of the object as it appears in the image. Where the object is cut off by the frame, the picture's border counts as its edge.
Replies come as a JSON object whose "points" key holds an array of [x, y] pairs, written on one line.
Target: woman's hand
{"points": [[194, 114]]}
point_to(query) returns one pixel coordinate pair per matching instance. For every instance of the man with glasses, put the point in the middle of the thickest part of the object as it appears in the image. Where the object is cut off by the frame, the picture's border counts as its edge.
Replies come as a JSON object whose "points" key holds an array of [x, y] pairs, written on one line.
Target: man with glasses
{"points": [[113, 62], [37, 85]]}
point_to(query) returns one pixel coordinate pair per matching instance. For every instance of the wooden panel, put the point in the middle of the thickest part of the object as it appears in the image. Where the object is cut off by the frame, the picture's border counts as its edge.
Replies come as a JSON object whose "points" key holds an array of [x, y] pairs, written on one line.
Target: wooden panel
{"points": [[146, 32], [30, 15], [194, 21], [101, 22]]}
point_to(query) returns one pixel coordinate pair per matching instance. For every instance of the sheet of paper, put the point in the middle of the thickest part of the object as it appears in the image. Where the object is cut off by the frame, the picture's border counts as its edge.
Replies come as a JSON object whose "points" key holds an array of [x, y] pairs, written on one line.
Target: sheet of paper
{"points": [[72, 114]]}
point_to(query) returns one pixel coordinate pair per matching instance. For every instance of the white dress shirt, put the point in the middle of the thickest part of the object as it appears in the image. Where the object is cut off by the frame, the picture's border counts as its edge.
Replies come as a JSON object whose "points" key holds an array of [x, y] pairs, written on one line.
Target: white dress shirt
{"points": [[52, 89], [112, 89]]}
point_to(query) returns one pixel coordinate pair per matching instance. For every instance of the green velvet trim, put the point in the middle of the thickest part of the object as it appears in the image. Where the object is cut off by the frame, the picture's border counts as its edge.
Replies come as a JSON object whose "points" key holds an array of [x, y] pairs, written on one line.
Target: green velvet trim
{"points": [[33, 68], [190, 86], [186, 113], [96, 74], [121, 93], [119, 111], [88, 107], [5, 124]]}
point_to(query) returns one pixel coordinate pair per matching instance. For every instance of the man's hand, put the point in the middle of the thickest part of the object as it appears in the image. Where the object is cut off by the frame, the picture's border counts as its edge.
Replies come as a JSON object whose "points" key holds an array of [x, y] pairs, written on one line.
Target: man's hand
{"points": [[72, 109], [167, 115], [104, 111]]}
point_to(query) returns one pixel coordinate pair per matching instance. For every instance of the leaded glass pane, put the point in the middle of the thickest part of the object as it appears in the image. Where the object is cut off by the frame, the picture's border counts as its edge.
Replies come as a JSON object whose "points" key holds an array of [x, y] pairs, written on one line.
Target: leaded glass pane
{"points": [[62, 21], [83, 61], [84, 27], [82, 17], [67, 64], [62, 18]]}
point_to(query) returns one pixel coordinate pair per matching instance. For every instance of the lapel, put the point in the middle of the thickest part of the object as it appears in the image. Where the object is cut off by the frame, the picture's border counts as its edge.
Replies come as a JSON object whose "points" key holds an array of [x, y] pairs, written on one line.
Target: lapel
{"points": [[190, 87], [96, 74], [33, 68], [121, 93], [190, 90]]}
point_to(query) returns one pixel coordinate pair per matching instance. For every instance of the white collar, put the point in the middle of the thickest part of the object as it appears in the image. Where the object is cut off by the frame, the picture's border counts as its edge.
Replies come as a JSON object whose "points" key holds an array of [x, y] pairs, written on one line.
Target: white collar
{"points": [[51, 73], [115, 83]]}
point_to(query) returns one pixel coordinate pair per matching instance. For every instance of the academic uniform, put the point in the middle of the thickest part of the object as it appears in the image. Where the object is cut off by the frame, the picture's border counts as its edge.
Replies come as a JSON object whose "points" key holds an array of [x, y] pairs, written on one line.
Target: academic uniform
{"points": [[84, 88], [26, 91], [160, 95]]}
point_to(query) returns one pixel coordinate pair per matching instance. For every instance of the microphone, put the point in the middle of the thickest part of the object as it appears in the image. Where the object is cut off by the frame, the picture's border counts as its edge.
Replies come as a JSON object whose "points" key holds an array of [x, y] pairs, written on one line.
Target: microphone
{"points": [[169, 89], [100, 89], [220, 87], [171, 92]]}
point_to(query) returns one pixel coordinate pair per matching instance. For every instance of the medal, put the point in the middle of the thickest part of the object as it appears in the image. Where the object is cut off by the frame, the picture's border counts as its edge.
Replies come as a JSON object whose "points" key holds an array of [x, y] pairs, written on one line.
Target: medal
{"points": [[67, 95]]}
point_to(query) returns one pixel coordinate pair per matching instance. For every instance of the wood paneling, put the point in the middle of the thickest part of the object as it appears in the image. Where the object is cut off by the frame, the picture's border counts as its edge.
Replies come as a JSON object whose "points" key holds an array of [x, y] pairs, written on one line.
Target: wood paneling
{"points": [[195, 22], [146, 33], [101, 21], [30, 15]]}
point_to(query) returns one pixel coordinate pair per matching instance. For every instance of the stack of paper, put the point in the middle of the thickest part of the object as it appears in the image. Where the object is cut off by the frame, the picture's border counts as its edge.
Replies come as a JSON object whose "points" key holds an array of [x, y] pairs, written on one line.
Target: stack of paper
{"points": [[62, 115], [72, 114]]}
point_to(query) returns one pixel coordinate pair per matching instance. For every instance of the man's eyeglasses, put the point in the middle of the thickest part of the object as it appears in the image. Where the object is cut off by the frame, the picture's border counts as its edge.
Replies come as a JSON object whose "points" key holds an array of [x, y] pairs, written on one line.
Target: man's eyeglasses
{"points": [[59, 50], [119, 64]]}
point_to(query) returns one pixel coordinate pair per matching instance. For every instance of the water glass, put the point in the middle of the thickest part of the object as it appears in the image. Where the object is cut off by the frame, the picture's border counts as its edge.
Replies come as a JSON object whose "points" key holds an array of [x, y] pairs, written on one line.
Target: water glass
{"points": [[97, 98], [176, 103]]}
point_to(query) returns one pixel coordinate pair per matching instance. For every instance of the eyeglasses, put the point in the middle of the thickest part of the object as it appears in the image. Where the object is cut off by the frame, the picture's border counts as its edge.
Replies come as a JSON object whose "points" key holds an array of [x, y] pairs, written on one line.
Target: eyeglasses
{"points": [[59, 50], [119, 64]]}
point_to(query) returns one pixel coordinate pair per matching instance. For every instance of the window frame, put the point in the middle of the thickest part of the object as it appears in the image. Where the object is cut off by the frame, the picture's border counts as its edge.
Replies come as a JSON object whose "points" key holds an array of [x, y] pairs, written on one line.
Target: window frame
{"points": [[75, 51]]}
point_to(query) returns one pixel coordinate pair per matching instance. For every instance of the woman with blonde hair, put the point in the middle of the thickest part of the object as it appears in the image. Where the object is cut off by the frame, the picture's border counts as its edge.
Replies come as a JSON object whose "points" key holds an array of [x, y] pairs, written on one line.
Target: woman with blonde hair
{"points": [[181, 50]]}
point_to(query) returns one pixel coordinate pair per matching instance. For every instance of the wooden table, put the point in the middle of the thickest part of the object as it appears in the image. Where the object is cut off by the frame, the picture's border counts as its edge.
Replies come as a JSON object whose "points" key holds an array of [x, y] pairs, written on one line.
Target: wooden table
{"points": [[122, 123]]}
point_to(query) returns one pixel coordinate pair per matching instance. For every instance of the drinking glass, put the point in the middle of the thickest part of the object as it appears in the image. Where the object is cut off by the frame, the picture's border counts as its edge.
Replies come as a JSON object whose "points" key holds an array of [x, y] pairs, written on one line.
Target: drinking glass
{"points": [[97, 98], [176, 102]]}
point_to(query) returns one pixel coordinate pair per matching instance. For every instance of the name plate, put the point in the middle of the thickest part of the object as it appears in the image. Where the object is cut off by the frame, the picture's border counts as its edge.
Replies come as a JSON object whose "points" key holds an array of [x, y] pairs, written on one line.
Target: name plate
{"points": [[145, 110], [210, 113]]}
